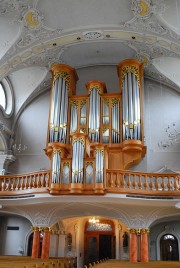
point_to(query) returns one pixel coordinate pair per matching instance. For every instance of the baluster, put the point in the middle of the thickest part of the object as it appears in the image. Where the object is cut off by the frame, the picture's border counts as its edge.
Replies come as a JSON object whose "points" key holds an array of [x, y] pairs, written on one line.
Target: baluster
{"points": [[129, 181], [118, 180], [34, 182], [14, 184], [157, 183], [39, 180], [9, 185], [23, 184], [47, 179], [0, 185], [112, 179], [176, 185], [18, 184], [151, 184], [145, 184], [169, 184], [27, 182], [4, 185], [31, 181], [43, 180], [122, 180], [163, 186], [134, 183], [139, 182]]}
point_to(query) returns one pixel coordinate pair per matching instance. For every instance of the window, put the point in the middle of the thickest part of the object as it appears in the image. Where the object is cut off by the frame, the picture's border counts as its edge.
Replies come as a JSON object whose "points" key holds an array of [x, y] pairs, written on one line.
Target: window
{"points": [[6, 97], [2, 96]]}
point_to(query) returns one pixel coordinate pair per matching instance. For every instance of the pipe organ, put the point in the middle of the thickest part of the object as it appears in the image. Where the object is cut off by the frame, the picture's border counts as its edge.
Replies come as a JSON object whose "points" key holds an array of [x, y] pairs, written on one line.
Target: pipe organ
{"points": [[91, 133]]}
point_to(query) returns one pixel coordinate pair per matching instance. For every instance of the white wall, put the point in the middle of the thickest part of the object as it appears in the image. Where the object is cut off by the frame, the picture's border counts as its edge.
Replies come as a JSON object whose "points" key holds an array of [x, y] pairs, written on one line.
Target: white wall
{"points": [[13, 240]]}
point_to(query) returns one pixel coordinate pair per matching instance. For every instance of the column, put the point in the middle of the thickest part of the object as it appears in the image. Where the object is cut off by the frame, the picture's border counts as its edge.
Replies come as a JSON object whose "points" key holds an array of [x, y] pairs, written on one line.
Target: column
{"points": [[45, 243], [144, 253], [36, 243], [133, 245]]}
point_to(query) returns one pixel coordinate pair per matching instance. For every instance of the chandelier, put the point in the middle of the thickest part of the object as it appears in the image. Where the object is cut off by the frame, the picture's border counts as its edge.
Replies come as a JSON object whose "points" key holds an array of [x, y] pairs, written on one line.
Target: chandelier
{"points": [[93, 220]]}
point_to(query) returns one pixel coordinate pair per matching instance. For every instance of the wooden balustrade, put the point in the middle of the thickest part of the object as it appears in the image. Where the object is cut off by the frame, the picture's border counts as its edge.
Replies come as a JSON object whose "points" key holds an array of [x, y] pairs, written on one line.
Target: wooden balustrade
{"points": [[125, 181], [116, 181], [37, 182]]}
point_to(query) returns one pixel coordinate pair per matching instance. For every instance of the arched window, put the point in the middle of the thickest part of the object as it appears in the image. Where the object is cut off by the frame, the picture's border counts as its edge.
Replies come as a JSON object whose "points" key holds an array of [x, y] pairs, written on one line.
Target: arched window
{"points": [[169, 248], [6, 97], [2, 96]]}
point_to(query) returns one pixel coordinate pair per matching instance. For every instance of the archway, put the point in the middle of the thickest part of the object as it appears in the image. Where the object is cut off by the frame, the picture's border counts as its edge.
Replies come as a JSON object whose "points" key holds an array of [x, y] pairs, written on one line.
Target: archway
{"points": [[99, 241], [169, 248]]}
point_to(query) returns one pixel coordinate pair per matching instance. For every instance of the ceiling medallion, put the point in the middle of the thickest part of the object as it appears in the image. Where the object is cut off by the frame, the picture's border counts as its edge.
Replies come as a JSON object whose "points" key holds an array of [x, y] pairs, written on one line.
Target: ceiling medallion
{"points": [[141, 8], [92, 35], [32, 18]]}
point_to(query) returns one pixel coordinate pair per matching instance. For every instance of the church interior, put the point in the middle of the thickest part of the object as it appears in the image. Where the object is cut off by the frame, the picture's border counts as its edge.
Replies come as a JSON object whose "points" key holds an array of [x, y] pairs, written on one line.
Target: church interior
{"points": [[90, 130]]}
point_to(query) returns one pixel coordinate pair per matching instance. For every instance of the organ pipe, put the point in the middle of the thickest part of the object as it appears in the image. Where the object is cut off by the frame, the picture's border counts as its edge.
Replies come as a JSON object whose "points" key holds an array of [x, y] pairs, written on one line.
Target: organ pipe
{"points": [[130, 74]]}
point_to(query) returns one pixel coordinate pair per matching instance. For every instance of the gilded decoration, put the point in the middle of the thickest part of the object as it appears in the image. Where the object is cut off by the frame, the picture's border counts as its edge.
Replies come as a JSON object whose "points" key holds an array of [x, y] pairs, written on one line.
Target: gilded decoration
{"points": [[97, 87], [138, 231], [89, 164], [115, 101], [64, 75], [130, 68], [141, 8], [81, 140], [82, 103], [100, 150], [32, 18], [106, 101], [66, 164], [74, 103]]}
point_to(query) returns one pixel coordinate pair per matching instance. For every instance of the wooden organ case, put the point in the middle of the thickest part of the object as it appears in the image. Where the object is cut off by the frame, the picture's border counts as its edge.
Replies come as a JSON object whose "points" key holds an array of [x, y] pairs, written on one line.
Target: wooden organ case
{"points": [[92, 133]]}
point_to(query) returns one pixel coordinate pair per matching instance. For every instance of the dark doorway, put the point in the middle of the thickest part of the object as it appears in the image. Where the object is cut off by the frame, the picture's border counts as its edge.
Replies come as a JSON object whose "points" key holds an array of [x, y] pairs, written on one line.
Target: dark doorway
{"points": [[169, 248], [105, 246]]}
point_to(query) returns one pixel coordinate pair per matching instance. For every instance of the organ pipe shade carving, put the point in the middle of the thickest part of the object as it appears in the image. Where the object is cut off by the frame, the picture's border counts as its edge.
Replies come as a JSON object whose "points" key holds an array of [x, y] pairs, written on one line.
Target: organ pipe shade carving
{"points": [[59, 111], [56, 167], [77, 160], [94, 115], [99, 166]]}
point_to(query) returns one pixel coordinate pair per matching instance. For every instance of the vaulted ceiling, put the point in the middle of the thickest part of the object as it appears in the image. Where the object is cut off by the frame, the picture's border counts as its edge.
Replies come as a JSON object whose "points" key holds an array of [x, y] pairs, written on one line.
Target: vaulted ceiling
{"points": [[82, 34]]}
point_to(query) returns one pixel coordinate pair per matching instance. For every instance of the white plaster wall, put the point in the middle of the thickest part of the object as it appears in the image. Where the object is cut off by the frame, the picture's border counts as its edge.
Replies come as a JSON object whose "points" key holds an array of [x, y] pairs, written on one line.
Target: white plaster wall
{"points": [[157, 231], [32, 131], [13, 240]]}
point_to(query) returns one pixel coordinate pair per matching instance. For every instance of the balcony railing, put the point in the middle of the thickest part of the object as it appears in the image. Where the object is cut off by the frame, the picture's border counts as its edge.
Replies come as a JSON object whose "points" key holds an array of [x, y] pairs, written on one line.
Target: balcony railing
{"points": [[116, 181], [125, 181], [37, 182]]}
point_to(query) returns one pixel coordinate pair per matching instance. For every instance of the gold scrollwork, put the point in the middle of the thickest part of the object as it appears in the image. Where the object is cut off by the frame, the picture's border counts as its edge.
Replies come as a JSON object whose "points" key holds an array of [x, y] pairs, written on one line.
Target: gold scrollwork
{"points": [[81, 139], [89, 164], [133, 69], [66, 164], [115, 101], [63, 74], [97, 87], [145, 231], [74, 103], [82, 103], [100, 150], [35, 229]]}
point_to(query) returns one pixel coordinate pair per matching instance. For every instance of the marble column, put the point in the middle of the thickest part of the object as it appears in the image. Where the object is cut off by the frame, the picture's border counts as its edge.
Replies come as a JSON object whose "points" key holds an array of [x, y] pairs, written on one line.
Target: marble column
{"points": [[133, 245], [36, 243], [144, 253], [45, 243]]}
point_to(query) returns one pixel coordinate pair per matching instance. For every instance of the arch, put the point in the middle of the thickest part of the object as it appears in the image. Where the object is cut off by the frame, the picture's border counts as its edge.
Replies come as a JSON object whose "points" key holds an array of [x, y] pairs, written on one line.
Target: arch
{"points": [[165, 232], [169, 248]]}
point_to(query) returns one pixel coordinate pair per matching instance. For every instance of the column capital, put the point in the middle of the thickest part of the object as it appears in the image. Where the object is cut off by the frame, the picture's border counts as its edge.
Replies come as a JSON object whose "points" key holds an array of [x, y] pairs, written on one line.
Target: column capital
{"points": [[35, 228], [45, 229], [145, 230]]}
